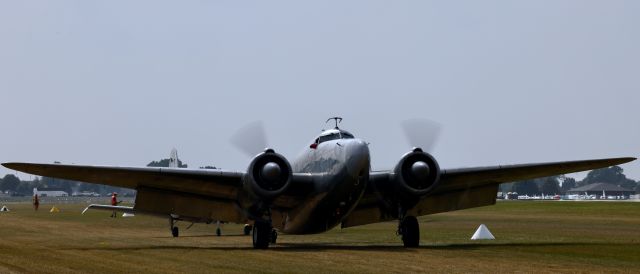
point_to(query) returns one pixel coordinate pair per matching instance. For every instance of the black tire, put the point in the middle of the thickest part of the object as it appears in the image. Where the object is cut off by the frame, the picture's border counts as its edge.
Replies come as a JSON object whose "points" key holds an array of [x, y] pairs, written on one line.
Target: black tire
{"points": [[174, 231], [261, 235], [410, 231], [247, 229], [274, 236], [218, 232]]}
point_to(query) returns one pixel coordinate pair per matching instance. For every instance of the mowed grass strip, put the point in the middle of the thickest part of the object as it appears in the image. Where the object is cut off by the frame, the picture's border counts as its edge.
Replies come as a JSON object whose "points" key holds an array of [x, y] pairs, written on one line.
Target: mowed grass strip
{"points": [[531, 236]]}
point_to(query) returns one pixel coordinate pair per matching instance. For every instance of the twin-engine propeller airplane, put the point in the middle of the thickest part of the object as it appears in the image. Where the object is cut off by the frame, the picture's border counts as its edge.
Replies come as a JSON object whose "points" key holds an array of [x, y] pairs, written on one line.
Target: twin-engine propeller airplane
{"points": [[329, 184]]}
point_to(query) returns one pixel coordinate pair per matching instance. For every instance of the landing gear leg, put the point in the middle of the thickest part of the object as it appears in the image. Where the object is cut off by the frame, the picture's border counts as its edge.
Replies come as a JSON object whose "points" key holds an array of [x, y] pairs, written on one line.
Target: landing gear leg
{"points": [[174, 229], [274, 236], [218, 230], [409, 229], [263, 229]]}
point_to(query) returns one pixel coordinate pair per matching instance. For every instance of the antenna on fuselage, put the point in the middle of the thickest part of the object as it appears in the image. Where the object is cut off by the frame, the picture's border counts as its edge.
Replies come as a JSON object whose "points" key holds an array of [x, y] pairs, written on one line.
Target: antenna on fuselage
{"points": [[336, 119]]}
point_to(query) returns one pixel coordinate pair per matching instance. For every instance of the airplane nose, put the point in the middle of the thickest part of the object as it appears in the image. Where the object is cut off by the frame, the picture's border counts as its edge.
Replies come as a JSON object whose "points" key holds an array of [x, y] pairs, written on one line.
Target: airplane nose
{"points": [[357, 157]]}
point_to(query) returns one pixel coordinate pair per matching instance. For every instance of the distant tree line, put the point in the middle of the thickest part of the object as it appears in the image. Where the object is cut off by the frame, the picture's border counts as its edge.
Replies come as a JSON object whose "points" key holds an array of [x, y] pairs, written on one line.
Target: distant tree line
{"points": [[165, 163], [561, 184]]}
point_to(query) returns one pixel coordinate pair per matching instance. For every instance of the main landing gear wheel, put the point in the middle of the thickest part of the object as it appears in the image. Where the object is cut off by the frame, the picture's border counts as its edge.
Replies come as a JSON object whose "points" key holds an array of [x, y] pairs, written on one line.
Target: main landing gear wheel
{"points": [[218, 232], [410, 231], [247, 230], [261, 235]]}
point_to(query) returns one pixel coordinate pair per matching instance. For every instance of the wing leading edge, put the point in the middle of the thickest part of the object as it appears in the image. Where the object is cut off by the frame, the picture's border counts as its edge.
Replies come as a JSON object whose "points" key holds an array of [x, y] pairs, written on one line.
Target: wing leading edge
{"points": [[464, 188]]}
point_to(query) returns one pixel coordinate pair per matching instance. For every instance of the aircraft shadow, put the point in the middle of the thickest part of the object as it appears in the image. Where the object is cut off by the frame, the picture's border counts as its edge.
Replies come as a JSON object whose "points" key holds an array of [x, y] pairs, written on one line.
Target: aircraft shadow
{"points": [[400, 248], [301, 247], [205, 236]]}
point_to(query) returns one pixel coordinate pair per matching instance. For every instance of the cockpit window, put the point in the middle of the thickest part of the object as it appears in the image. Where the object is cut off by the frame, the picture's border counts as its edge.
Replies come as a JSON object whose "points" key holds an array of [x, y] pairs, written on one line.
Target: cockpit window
{"points": [[329, 137], [347, 136], [334, 136]]}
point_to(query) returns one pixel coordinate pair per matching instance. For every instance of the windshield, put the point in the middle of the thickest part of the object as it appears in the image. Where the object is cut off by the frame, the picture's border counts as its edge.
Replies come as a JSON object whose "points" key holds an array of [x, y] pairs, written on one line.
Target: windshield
{"points": [[329, 137], [347, 135]]}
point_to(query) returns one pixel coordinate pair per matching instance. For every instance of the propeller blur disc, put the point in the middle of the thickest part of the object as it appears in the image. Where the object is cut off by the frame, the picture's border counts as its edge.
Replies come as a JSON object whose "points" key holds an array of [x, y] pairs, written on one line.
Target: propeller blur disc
{"points": [[250, 139], [422, 133]]}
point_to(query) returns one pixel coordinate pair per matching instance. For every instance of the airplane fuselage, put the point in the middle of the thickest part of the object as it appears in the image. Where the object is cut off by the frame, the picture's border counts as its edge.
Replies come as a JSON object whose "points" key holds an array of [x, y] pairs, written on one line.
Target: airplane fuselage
{"points": [[341, 171]]}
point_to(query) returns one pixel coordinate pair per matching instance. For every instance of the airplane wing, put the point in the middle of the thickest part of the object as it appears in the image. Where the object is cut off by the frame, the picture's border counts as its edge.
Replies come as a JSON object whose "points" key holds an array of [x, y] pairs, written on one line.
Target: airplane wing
{"points": [[461, 188], [123, 209], [209, 182], [203, 194]]}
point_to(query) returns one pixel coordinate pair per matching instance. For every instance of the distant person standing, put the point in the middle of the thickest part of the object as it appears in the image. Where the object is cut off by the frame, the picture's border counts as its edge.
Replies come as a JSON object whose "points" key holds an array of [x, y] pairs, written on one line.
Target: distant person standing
{"points": [[114, 202], [36, 201]]}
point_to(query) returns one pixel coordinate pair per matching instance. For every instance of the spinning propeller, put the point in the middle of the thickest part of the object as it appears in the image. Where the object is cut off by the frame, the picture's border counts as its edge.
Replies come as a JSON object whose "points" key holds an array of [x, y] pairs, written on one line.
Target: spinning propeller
{"points": [[421, 133], [250, 139]]}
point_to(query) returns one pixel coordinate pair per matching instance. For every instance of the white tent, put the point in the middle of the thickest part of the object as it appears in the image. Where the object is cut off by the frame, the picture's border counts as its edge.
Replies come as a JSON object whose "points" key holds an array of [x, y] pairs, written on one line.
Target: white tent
{"points": [[482, 233], [4, 209]]}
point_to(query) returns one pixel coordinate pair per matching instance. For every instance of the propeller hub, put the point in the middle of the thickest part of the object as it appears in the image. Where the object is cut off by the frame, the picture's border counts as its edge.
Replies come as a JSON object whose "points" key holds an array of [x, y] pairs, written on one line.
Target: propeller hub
{"points": [[420, 171], [271, 171]]}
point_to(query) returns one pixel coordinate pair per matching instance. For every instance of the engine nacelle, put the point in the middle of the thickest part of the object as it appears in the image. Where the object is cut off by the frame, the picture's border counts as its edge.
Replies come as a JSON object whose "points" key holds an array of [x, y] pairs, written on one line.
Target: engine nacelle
{"points": [[416, 174], [269, 175]]}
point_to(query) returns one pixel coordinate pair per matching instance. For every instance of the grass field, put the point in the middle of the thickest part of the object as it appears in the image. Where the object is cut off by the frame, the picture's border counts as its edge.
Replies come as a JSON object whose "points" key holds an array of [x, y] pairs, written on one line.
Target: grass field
{"points": [[531, 237]]}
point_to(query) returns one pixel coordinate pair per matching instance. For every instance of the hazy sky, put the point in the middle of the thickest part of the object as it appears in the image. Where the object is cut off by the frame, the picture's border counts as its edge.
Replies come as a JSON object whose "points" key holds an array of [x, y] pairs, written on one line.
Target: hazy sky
{"points": [[123, 82]]}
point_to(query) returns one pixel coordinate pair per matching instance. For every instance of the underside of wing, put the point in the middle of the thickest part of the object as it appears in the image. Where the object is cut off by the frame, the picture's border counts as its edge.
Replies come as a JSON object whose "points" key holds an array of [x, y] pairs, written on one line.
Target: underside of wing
{"points": [[199, 194], [202, 194], [462, 188], [212, 183], [466, 178]]}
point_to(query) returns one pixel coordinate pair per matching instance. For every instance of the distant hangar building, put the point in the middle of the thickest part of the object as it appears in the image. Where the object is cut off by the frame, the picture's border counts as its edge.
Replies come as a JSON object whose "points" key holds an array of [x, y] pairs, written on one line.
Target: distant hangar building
{"points": [[52, 192], [598, 189]]}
